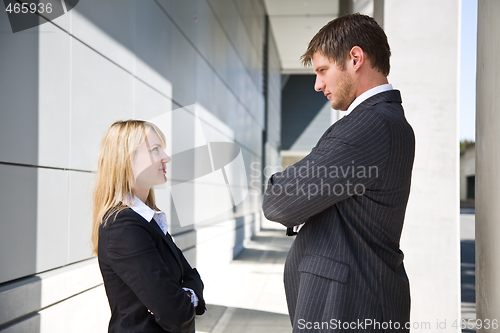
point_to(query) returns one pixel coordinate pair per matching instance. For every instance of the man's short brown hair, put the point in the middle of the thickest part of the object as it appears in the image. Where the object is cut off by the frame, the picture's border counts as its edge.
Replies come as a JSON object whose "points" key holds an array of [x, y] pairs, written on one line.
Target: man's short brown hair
{"points": [[336, 39]]}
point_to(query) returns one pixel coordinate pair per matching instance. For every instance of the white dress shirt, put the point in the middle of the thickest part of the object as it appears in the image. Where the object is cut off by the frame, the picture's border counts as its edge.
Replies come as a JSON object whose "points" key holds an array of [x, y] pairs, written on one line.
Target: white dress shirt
{"points": [[147, 213], [369, 93], [161, 219]]}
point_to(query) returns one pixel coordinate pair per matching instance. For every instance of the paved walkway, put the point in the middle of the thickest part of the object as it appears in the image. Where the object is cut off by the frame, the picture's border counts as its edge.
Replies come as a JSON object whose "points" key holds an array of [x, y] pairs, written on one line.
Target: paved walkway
{"points": [[248, 296]]}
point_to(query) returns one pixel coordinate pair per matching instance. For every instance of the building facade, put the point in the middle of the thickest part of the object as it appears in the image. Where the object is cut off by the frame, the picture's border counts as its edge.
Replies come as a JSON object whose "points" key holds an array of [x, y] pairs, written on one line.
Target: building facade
{"points": [[204, 71], [210, 71]]}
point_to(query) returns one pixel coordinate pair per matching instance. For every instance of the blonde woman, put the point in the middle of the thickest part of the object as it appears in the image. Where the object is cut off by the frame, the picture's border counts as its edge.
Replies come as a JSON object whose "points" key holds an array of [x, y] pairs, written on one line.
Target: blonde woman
{"points": [[150, 285]]}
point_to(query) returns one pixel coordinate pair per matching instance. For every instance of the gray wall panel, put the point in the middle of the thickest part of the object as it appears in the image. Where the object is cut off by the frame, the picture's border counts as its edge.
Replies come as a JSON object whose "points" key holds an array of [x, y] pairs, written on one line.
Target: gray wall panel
{"points": [[18, 238], [19, 94], [80, 215], [184, 14], [149, 102], [204, 84], [102, 94], [153, 42], [183, 69], [52, 219], [54, 97], [118, 60], [108, 28]]}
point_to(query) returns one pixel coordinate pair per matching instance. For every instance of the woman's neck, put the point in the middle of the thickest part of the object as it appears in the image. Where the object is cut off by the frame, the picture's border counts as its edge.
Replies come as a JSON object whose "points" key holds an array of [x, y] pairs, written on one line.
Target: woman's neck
{"points": [[141, 193]]}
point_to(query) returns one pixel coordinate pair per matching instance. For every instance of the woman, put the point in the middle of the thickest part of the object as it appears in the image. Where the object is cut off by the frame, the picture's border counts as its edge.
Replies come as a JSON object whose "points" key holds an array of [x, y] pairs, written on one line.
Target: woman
{"points": [[150, 285]]}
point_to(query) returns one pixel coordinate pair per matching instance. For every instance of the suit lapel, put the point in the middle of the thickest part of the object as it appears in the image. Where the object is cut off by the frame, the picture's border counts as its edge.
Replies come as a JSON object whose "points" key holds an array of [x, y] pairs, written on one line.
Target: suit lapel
{"points": [[168, 239]]}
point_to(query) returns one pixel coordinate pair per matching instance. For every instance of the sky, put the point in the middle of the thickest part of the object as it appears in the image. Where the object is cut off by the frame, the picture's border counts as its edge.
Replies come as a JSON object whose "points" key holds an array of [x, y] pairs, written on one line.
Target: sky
{"points": [[468, 52]]}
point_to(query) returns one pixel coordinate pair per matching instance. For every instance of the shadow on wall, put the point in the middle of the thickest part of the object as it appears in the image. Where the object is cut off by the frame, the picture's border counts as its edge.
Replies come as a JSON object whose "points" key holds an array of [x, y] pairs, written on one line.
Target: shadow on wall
{"points": [[300, 105], [19, 180], [19, 313]]}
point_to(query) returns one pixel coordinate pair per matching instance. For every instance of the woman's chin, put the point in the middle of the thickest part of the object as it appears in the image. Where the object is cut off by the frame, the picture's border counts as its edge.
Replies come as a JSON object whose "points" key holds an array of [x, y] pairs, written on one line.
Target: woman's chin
{"points": [[162, 181]]}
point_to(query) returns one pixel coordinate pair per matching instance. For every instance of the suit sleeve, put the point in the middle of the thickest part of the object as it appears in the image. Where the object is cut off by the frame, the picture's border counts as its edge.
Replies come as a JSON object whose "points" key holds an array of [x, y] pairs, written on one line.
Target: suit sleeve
{"points": [[192, 280], [347, 161], [134, 257]]}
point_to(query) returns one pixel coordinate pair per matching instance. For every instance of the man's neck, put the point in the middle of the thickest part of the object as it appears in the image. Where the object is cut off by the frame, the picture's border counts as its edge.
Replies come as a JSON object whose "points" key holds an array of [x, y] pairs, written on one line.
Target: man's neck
{"points": [[370, 84]]}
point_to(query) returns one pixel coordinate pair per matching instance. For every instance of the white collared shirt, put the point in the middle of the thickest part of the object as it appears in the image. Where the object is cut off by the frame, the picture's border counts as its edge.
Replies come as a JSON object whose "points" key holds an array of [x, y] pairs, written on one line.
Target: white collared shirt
{"points": [[369, 93], [161, 219], [147, 213]]}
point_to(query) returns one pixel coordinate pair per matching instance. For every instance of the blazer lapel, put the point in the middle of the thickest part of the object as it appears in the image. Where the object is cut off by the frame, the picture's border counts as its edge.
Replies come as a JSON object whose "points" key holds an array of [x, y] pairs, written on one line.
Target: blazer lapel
{"points": [[168, 239]]}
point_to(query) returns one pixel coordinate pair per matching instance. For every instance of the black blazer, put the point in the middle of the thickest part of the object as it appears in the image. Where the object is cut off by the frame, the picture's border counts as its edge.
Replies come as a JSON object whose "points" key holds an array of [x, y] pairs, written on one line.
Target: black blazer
{"points": [[345, 264], [144, 270]]}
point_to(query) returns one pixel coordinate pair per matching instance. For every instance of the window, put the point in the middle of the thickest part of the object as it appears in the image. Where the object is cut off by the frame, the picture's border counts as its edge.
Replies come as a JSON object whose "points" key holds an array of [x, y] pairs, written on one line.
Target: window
{"points": [[471, 187]]}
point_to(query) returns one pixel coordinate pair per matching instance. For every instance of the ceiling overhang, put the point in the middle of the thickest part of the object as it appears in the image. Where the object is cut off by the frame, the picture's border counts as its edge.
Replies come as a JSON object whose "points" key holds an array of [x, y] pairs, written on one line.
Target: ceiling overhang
{"points": [[295, 22]]}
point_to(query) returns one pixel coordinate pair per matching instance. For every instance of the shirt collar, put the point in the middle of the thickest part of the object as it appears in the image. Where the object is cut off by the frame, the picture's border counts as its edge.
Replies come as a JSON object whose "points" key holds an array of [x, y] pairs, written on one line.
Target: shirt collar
{"points": [[369, 93], [146, 212]]}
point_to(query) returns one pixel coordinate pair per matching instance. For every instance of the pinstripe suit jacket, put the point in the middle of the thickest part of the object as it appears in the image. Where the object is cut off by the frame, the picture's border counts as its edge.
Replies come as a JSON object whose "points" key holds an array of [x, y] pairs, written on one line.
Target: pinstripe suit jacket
{"points": [[351, 191]]}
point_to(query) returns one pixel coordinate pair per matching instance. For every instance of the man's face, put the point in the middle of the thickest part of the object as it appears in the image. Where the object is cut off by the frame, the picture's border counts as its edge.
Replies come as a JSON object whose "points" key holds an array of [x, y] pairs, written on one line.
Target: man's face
{"points": [[337, 85]]}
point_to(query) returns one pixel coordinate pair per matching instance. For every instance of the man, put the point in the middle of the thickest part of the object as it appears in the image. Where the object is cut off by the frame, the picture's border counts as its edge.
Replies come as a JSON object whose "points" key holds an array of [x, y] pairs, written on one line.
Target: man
{"points": [[347, 198]]}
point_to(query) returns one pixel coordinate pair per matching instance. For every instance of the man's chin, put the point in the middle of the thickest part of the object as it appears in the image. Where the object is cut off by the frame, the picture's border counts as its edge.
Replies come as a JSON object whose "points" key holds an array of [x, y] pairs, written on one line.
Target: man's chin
{"points": [[338, 107]]}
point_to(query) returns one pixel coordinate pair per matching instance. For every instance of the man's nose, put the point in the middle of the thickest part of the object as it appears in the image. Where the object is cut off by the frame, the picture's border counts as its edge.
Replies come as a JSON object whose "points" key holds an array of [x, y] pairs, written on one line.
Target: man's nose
{"points": [[319, 85]]}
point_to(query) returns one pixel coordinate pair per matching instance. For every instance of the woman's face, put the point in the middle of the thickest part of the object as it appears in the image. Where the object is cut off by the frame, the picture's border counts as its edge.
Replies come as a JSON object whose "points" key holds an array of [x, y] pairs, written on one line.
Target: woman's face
{"points": [[149, 162]]}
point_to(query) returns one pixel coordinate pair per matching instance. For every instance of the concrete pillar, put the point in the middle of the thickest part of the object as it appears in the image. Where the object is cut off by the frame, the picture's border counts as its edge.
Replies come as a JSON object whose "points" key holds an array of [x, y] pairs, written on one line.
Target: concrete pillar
{"points": [[424, 39], [487, 162]]}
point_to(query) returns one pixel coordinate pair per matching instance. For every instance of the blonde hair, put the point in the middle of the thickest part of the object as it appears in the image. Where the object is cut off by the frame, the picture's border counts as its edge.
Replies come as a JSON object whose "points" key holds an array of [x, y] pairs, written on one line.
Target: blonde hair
{"points": [[114, 176]]}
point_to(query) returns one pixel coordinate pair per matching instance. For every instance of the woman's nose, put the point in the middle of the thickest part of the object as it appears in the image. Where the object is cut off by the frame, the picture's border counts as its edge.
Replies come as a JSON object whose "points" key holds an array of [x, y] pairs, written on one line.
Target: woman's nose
{"points": [[165, 158]]}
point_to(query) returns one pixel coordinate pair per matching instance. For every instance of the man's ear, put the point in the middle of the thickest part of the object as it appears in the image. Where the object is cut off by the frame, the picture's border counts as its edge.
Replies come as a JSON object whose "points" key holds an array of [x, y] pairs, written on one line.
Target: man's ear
{"points": [[357, 57]]}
